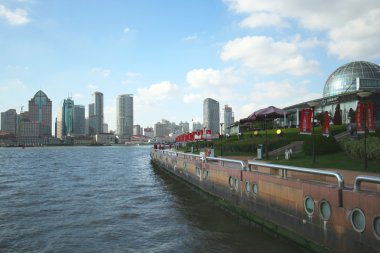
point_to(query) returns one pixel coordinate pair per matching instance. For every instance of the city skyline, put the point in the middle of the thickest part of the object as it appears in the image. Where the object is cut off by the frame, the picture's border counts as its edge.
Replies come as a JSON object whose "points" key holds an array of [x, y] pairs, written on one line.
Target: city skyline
{"points": [[247, 54]]}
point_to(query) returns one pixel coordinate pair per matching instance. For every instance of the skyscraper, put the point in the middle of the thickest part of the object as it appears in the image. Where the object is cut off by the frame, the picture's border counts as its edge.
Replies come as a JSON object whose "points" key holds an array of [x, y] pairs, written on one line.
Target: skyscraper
{"points": [[40, 111], [79, 120], [96, 115], [124, 115], [228, 118], [65, 118], [211, 115], [9, 121]]}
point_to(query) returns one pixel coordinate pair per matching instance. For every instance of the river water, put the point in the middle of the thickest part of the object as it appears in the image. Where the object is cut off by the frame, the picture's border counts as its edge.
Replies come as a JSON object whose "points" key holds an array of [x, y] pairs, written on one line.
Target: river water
{"points": [[111, 199]]}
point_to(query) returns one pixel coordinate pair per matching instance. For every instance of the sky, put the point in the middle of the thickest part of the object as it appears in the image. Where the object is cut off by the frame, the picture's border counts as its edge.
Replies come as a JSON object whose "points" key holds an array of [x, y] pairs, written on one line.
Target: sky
{"points": [[172, 54]]}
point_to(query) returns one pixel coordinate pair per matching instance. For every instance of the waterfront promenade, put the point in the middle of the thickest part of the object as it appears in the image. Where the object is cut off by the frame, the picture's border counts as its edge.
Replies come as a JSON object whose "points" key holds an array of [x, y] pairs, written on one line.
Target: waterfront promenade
{"points": [[322, 210]]}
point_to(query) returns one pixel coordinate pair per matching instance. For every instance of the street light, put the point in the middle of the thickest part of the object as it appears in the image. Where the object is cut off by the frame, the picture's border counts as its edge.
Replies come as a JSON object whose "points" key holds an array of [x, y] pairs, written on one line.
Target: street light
{"points": [[313, 104], [204, 139], [364, 95], [221, 139]]}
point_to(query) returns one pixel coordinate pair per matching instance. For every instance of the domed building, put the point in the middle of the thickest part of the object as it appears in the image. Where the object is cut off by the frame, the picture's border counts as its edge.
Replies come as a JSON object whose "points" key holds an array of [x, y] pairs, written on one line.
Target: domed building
{"points": [[342, 88], [354, 76]]}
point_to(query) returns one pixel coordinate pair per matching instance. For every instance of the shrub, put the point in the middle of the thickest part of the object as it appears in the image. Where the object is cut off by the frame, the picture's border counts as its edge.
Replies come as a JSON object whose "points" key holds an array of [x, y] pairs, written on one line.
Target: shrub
{"points": [[323, 145], [355, 148]]}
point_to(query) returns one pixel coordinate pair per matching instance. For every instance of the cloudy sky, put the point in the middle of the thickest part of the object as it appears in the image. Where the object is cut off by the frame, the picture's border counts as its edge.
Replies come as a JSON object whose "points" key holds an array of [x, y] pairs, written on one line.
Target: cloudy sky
{"points": [[173, 54]]}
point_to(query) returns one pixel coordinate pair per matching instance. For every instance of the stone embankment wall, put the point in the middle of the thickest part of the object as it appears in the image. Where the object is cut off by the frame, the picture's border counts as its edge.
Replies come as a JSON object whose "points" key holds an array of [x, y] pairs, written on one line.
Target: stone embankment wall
{"points": [[313, 211]]}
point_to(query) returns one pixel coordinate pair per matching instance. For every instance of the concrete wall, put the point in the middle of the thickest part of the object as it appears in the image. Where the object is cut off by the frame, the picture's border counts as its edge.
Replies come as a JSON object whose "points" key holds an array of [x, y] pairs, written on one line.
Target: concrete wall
{"points": [[278, 204]]}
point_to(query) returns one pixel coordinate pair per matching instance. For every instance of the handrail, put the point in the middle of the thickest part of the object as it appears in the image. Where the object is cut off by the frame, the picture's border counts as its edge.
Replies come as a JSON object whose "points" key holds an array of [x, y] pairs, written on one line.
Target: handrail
{"points": [[226, 160], [335, 174], [174, 153], [369, 179]]}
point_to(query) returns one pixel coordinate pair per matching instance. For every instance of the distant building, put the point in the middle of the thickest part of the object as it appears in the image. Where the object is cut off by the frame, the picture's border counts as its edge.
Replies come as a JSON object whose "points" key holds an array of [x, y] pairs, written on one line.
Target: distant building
{"points": [[211, 115], [149, 132], [105, 128], [228, 119], [96, 114], [65, 118], [163, 128], [40, 111], [137, 130], [9, 121], [185, 126], [124, 115], [197, 126], [79, 120]]}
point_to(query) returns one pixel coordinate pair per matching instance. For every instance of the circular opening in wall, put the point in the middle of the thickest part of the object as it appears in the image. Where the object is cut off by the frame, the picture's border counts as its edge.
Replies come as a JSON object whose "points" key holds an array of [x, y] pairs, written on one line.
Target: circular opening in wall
{"points": [[325, 210], [309, 205], [236, 184], [376, 226], [358, 220], [247, 186], [231, 182], [254, 188]]}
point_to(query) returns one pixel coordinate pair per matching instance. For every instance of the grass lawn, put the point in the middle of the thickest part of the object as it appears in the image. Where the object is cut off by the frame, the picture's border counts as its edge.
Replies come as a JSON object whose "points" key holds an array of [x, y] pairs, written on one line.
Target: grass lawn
{"points": [[331, 161]]}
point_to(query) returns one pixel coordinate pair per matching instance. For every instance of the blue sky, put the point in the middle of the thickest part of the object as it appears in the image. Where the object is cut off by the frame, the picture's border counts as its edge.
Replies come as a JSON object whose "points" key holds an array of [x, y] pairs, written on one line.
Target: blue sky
{"points": [[173, 54]]}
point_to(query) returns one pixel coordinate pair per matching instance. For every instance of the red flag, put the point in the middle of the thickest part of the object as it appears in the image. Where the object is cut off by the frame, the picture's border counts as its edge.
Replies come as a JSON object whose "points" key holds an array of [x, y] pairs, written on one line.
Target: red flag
{"points": [[326, 124], [370, 118], [305, 124], [359, 118]]}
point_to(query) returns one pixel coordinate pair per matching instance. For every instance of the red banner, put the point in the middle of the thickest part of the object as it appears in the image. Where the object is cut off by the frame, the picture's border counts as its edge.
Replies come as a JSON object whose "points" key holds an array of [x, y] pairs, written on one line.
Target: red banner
{"points": [[359, 118], [326, 124], [370, 118], [305, 124]]}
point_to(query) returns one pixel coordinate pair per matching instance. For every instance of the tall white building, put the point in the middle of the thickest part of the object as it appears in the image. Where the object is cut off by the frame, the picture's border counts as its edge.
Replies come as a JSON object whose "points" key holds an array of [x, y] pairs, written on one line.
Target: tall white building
{"points": [[124, 115], [211, 115], [96, 114], [228, 118]]}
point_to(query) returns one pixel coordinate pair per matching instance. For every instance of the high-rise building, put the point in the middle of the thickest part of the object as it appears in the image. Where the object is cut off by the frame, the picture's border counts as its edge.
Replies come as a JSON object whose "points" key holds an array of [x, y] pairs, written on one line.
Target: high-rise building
{"points": [[124, 115], [79, 120], [211, 115], [9, 121], [149, 132], [197, 126], [65, 118], [137, 130], [228, 118], [96, 114], [185, 126], [40, 111]]}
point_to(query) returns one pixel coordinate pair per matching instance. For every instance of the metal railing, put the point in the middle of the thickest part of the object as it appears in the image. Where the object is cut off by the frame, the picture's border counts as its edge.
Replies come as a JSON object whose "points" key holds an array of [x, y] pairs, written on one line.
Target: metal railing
{"points": [[285, 168], [222, 160], [368, 179]]}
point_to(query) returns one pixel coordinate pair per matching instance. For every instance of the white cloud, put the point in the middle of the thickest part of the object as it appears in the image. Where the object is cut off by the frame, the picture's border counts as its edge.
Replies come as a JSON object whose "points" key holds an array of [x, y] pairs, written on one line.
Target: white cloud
{"points": [[358, 37], [16, 17], [157, 93], [101, 72], [92, 87], [212, 78], [190, 38], [267, 56], [133, 74], [351, 27], [263, 19], [12, 85], [126, 29]]}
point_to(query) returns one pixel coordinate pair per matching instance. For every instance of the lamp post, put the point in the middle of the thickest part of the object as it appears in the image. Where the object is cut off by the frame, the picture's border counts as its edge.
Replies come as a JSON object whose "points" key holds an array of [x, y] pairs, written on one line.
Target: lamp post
{"points": [[221, 139], [204, 139], [266, 137], [313, 104], [364, 95]]}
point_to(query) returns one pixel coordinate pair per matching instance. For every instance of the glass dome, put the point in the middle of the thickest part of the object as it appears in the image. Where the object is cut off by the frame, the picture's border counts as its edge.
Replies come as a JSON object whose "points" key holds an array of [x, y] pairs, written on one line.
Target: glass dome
{"points": [[343, 80]]}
